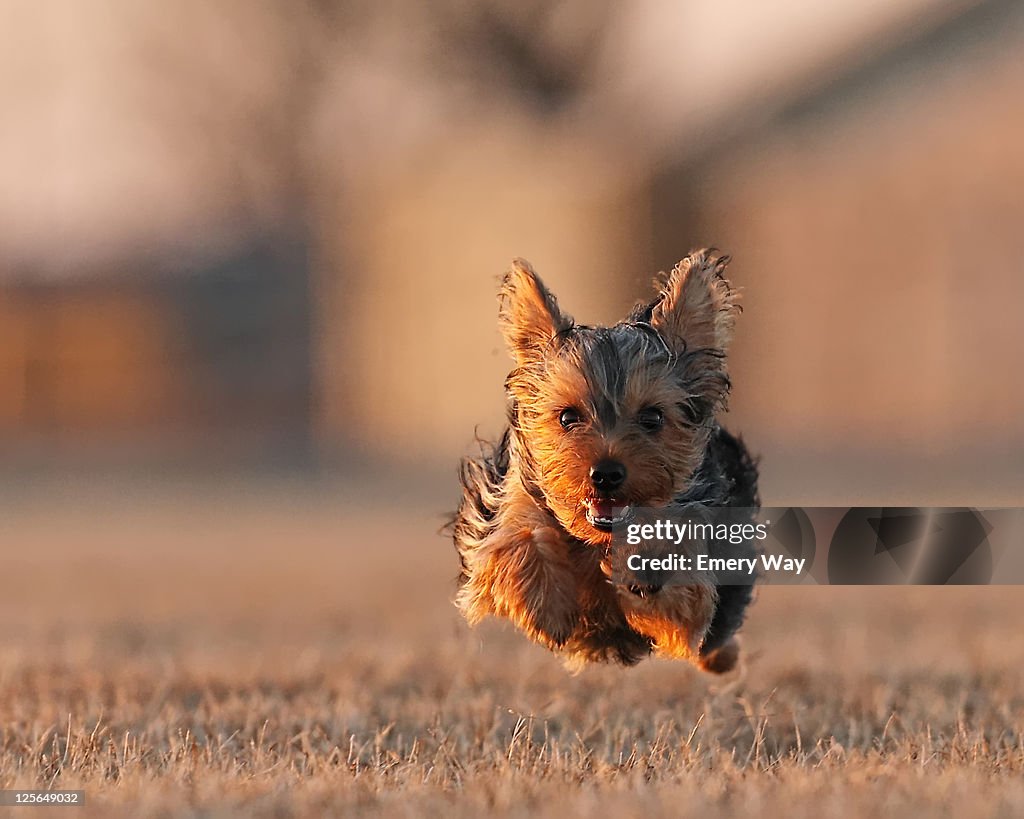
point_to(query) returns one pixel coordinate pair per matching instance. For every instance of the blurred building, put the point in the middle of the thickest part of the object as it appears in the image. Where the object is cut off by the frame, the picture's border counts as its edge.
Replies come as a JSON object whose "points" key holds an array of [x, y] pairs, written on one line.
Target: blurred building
{"points": [[274, 234]]}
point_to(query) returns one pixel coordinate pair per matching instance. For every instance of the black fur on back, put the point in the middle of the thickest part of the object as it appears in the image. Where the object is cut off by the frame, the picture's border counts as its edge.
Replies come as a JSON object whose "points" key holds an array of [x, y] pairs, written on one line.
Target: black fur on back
{"points": [[728, 477]]}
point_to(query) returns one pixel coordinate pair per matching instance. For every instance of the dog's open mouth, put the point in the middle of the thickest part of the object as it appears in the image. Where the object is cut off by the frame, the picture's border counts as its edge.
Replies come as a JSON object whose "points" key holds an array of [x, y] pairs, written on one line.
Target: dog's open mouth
{"points": [[604, 514]]}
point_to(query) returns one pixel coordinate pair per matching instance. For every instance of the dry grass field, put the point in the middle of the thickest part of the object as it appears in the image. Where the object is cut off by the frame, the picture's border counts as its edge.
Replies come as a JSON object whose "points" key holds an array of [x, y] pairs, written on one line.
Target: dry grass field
{"points": [[282, 652]]}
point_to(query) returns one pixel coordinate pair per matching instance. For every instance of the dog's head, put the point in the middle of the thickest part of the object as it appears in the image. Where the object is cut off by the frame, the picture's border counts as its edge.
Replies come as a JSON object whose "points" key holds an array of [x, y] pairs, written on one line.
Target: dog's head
{"points": [[613, 418]]}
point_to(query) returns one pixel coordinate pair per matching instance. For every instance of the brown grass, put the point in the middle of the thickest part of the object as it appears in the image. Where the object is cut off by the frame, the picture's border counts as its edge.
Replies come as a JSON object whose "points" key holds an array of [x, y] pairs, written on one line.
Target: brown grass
{"points": [[279, 654]]}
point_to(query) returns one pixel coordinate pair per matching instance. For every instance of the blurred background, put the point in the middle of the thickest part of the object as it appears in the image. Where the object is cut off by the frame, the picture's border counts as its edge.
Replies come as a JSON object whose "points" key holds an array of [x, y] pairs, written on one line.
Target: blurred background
{"points": [[249, 255], [264, 240]]}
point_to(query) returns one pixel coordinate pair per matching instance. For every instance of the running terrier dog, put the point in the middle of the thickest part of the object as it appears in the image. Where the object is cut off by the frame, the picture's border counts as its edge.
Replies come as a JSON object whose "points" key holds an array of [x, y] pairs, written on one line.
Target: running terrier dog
{"points": [[603, 420]]}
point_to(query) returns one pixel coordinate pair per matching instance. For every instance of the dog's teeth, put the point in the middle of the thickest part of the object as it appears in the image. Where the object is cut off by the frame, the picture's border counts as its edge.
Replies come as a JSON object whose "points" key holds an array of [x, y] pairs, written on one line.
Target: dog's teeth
{"points": [[618, 516]]}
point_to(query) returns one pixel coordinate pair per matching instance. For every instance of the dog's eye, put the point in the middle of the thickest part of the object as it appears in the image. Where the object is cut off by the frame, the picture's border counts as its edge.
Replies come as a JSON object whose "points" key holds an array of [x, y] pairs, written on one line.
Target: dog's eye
{"points": [[696, 411], [569, 418], [651, 418]]}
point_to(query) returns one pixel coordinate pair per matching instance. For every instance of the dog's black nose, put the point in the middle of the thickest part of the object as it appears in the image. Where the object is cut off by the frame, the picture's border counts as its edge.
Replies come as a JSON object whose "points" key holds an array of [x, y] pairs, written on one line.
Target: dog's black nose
{"points": [[607, 476]]}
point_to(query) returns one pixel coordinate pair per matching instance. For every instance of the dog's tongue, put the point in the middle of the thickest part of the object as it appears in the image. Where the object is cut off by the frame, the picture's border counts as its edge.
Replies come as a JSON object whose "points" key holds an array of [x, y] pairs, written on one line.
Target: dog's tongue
{"points": [[603, 509]]}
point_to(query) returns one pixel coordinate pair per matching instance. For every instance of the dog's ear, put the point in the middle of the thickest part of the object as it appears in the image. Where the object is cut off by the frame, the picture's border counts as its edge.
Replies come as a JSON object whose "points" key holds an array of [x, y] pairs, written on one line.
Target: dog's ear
{"points": [[696, 309], [529, 314]]}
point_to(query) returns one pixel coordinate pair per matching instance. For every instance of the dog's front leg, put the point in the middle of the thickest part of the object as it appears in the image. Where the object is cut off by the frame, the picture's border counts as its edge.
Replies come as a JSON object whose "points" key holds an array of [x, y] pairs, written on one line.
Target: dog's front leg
{"points": [[522, 571]]}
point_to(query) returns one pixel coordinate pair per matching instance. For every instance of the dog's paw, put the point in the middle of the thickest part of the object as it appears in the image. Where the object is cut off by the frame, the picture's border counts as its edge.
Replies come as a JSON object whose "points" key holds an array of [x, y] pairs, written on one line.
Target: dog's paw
{"points": [[723, 659], [555, 631], [552, 619]]}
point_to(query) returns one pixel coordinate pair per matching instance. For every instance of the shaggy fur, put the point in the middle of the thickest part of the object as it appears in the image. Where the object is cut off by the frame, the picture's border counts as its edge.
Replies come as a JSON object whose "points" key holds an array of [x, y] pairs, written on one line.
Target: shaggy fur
{"points": [[632, 405]]}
